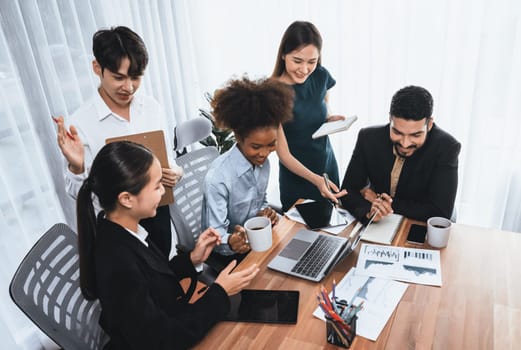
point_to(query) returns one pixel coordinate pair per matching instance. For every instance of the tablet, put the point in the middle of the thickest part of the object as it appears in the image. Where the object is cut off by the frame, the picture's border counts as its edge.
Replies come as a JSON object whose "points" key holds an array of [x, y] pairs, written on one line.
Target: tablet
{"points": [[264, 306], [320, 214]]}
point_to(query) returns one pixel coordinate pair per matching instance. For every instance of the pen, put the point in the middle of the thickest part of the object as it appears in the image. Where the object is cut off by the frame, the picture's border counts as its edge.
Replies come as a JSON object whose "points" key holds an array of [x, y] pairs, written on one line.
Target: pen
{"points": [[326, 181]]}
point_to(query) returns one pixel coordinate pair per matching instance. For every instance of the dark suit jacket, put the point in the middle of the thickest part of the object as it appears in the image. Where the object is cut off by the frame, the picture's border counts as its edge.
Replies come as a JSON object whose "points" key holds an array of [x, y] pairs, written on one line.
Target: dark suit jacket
{"points": [[143, 304], [428, 181]]}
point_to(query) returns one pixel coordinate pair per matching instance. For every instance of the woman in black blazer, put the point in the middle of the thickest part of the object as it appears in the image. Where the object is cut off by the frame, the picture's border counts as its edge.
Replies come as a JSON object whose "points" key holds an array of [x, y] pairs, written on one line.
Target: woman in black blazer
{"points": [[143, 303]]}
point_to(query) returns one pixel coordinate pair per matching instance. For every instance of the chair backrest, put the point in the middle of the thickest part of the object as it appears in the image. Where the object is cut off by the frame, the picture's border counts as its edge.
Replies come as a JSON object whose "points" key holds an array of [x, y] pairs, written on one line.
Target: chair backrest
{"points": [[190, 131], [188, 194], [46, 288]]}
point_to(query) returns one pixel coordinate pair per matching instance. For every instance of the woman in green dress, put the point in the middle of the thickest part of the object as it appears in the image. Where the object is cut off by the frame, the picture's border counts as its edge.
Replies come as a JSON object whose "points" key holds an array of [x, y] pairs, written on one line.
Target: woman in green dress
{"points": [[303, 160]]}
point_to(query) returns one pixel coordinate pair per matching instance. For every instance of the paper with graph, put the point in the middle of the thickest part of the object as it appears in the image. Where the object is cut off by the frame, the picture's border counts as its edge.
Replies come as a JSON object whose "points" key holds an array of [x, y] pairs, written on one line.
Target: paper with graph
{"points": [[420, 266]]}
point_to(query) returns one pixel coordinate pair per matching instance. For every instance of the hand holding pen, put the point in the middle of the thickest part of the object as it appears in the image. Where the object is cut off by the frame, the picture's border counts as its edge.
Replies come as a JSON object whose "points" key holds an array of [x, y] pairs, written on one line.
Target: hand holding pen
{"points": [[381, 206], [330, 191], [70, 145]]}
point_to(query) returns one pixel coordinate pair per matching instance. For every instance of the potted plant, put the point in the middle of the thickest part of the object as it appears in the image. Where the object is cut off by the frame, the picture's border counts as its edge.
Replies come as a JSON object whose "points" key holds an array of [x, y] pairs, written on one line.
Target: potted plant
{"points": [[222, 139]]}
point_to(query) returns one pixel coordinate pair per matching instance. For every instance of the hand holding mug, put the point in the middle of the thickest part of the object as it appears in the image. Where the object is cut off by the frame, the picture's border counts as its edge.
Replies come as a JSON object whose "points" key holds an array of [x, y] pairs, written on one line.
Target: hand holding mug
{"points": [[270, 214], [238, 241]]}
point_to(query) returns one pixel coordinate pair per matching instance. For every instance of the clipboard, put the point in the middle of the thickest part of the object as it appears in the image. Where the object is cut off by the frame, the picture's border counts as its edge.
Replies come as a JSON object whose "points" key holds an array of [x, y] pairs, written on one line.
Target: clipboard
{"points": [[155, 142]]}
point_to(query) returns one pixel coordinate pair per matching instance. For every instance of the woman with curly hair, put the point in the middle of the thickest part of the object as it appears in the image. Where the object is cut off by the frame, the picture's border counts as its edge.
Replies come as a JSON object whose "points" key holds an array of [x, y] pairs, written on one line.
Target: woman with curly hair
{"points": [[235, 185]]}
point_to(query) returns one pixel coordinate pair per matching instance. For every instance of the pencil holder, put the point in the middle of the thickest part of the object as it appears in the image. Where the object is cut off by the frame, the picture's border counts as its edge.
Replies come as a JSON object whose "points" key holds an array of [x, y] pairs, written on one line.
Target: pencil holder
{"points": [[339, 335]]}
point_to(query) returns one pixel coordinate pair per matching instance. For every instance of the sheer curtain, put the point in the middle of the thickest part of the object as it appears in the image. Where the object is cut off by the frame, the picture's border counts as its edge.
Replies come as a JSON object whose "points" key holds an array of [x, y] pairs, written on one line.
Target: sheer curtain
{"points": [[45, 69], [466, 53]]}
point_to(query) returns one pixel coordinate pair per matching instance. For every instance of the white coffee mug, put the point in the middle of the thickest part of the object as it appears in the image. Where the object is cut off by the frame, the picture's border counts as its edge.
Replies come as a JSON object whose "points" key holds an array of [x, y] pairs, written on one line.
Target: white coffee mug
{"points": [[438, 230], [258, 230]]}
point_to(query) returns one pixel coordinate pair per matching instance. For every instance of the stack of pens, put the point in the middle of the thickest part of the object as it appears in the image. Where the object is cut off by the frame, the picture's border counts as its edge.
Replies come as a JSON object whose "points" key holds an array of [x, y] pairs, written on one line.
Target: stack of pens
{"points": [[340, 316]]}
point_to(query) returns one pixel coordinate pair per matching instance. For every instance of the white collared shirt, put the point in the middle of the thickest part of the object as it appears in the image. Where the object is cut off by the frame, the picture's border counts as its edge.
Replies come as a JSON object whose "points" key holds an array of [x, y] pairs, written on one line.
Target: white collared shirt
{"points": [[141, 234], [95, 123]]}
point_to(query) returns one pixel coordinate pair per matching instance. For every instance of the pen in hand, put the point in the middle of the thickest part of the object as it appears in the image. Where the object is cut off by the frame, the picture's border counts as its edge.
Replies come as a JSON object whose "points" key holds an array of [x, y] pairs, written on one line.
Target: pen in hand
{"points": [[326, 181]]}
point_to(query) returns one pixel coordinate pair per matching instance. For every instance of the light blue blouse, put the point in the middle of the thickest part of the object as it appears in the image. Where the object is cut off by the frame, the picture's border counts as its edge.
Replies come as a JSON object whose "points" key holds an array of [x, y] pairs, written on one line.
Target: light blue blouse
{"points": [[234, 191]]}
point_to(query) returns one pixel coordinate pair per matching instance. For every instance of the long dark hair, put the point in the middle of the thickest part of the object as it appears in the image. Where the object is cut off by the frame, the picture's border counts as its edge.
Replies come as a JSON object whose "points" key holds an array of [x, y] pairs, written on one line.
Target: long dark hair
{"points": [[118, 167], [298, 34]]}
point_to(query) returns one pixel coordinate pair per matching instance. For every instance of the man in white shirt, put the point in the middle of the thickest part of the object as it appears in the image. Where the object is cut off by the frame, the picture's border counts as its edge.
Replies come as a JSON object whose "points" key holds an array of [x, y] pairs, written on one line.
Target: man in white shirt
{"points": [[115, 110]]}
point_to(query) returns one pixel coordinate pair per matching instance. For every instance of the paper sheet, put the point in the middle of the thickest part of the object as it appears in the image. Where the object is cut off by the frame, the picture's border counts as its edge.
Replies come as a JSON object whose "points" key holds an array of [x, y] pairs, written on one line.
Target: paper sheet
{"points": [[420, 266], [380, 296]]}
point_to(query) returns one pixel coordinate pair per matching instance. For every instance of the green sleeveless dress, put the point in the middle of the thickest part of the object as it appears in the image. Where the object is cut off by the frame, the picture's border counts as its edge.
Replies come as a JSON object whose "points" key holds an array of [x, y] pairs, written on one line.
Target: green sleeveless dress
{"points": [[309, 112]]}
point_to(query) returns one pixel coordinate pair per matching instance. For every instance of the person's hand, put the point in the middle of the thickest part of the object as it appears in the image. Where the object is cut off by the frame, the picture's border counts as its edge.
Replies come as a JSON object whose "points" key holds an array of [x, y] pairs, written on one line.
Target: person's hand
{"points": [[204, 246], [171, 176], [381, 206], [334, 118], [368, 194], [270, 214], [70, 145], [330, 192], [238, 241], [234, 282]]}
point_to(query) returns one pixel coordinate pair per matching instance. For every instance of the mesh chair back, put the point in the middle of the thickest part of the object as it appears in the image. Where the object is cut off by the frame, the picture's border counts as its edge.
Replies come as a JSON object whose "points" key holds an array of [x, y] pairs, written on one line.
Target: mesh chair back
{"points": [[188, 194], [46, 288]]}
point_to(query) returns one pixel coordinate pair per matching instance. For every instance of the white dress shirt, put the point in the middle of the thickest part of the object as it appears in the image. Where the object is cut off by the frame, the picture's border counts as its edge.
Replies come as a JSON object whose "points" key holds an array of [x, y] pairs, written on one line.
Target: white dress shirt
{"points": [[95, 123]]}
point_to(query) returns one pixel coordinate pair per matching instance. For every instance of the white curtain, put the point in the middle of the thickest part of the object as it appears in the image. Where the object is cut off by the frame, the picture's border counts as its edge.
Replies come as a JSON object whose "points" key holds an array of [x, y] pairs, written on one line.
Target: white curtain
{"points": [[466, 52], [45, 69]]}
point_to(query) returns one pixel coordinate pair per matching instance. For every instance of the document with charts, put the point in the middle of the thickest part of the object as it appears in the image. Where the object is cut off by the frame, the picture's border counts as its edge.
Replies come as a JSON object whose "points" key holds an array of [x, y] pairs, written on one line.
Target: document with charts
{"points": [[420, 266], [380, 297]]}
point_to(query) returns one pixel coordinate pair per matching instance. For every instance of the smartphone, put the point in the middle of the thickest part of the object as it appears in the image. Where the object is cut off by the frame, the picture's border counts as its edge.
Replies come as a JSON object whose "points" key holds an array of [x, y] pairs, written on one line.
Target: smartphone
{"points": [[417, 234]]}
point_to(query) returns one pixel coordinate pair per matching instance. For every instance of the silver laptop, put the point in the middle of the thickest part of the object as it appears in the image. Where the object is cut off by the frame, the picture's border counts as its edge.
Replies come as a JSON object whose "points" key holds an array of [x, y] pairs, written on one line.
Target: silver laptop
{"points": [[311, 255]]}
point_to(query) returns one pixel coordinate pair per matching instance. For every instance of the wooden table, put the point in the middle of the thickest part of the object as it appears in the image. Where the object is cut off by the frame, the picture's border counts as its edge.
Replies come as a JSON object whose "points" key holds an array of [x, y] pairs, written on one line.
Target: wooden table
{"points": [[478, 306]]}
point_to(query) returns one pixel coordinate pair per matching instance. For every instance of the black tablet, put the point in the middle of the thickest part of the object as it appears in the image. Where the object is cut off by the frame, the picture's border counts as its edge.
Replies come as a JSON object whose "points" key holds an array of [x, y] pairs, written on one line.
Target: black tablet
{"points": [[320, 214], [265, 306]]}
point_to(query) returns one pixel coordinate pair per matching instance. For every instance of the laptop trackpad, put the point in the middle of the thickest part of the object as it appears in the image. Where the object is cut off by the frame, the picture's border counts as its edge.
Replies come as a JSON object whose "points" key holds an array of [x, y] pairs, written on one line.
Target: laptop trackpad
{"points": [[295, 249]]}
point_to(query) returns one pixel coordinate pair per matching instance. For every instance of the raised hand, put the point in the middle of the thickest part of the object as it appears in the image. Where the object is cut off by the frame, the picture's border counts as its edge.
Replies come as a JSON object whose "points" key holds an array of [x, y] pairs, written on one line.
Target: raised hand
{"points": [[71, 146], [204, 246]]}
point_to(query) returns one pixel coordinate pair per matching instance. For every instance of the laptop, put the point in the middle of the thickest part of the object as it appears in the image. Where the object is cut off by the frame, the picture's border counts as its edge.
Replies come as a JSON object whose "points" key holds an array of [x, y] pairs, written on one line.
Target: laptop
{"points": [[311, 255]]}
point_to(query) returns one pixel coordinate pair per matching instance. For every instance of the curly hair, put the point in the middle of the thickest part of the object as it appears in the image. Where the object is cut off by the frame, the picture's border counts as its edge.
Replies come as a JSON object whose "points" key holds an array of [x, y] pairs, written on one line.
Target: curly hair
{"points": [[244, 105], [411, 103]]}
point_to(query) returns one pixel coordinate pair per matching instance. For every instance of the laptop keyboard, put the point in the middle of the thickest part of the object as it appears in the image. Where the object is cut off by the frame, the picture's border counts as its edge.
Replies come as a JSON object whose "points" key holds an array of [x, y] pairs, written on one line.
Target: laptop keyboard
{"points": [[318, 254]]}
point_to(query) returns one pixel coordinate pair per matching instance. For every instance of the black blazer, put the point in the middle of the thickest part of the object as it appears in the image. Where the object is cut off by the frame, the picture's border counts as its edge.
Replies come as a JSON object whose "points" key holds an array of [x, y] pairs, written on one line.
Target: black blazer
{"points": [[143, 304], [428, 181]]}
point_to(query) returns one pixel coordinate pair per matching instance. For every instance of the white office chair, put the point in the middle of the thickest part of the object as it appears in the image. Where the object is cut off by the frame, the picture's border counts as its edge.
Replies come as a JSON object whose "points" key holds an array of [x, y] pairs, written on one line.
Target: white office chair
{"points": [[189, 132]]}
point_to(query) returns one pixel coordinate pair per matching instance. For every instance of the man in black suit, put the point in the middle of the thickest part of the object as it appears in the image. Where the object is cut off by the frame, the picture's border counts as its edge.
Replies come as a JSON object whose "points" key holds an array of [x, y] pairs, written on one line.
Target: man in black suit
{"points": [[409, 166]]}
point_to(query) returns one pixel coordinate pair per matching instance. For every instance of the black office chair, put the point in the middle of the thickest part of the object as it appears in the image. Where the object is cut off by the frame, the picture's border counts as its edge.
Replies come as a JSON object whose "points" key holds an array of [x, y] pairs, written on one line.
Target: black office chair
{"points": [[46, 288]]}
